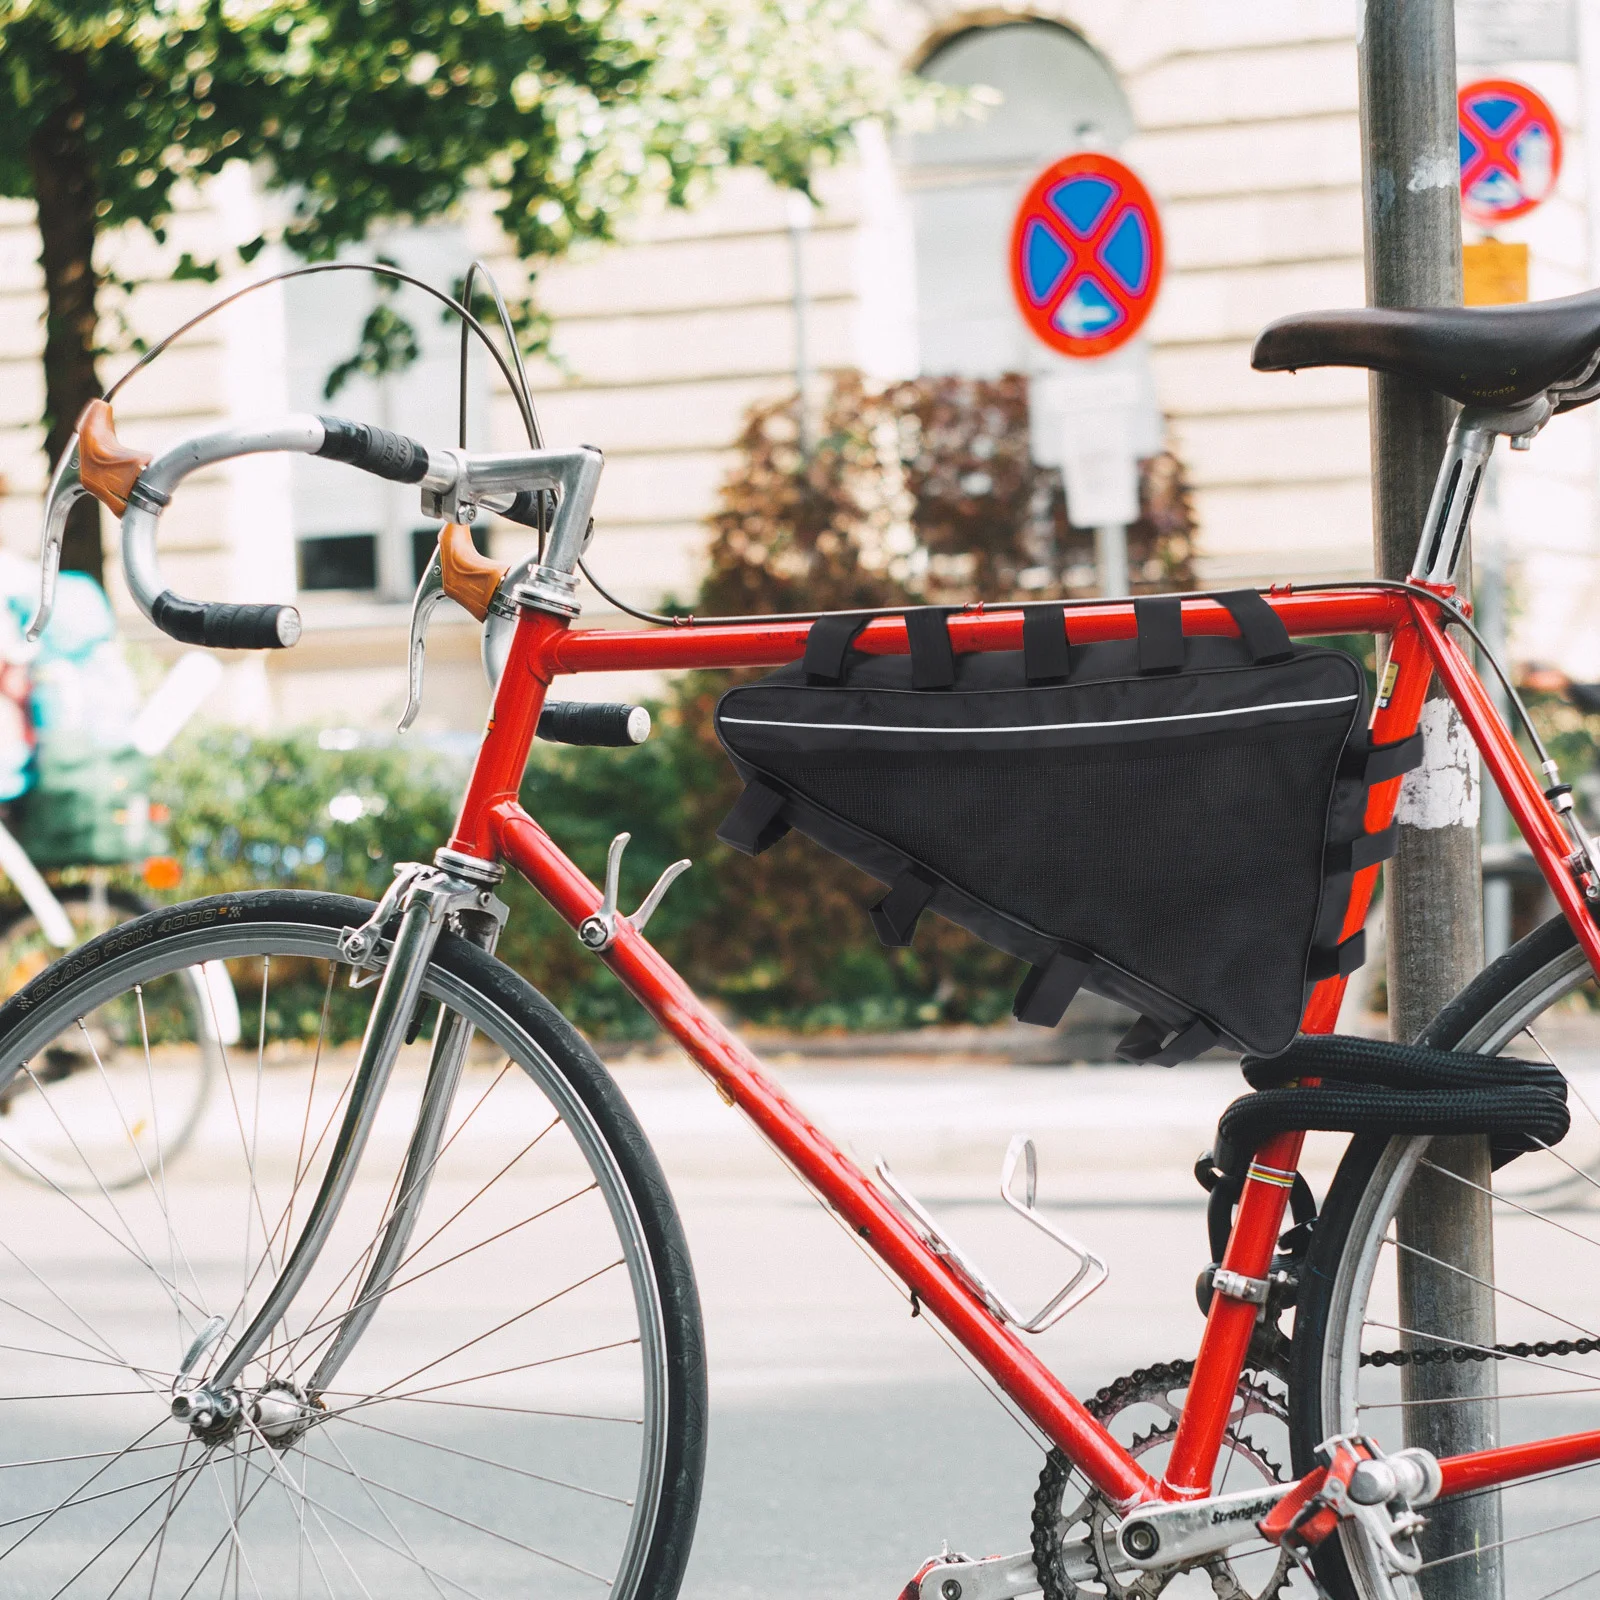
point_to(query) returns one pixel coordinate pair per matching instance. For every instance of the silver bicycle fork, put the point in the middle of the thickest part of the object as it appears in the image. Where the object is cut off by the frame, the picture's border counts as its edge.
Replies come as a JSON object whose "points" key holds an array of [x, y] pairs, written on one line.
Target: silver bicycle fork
{"points": [[424, 898]]}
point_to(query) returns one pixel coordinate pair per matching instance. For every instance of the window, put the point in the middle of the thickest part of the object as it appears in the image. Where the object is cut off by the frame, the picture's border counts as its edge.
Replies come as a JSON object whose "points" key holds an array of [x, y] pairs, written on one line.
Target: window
{"points": [[339, 561], [965, 179]]}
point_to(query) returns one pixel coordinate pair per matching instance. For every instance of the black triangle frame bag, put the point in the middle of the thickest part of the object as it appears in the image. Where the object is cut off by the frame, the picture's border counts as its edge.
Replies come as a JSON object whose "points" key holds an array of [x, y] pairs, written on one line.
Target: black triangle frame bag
{"points": [[1170, 822]]}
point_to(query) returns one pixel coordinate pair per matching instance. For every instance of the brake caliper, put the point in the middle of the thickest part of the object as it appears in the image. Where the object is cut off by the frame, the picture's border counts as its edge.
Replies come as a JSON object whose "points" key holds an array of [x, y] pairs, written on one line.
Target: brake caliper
{"points": [[1354, 1481]]}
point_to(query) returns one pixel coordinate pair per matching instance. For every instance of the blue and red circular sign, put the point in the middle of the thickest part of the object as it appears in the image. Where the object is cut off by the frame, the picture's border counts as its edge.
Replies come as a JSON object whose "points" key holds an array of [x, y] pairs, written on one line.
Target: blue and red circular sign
{"points": [[1086, 254], [1510, 149]]}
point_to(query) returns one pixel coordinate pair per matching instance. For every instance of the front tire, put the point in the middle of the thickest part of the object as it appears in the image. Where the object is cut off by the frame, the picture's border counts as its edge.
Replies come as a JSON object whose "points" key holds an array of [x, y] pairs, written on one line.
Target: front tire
{"points": [[525, 1412]]}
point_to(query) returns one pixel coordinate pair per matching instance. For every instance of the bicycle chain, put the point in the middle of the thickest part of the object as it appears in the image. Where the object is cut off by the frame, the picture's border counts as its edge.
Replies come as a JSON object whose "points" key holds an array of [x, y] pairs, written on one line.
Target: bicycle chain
{"points": [[1443, 1355]]}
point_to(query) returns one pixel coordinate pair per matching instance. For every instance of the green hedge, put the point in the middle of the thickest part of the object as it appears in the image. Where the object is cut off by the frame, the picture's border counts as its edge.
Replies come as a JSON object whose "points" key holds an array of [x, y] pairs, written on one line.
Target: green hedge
{"points": [[781, 941]]}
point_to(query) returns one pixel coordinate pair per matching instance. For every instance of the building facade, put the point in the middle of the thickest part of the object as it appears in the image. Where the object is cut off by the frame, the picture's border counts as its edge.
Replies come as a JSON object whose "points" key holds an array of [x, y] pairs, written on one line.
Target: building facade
{"points": [[1242, 120]]}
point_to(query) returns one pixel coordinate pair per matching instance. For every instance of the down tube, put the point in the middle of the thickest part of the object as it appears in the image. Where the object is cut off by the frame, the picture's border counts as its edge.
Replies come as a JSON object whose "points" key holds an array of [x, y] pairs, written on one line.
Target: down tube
{"points": [[739, 1077]]}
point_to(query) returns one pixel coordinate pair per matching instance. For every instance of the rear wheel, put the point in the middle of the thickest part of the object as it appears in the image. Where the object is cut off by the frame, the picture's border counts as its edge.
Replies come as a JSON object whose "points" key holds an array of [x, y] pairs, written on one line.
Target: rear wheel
{"points": [[524, 1413], [121, 1105], [1358, 1366]]}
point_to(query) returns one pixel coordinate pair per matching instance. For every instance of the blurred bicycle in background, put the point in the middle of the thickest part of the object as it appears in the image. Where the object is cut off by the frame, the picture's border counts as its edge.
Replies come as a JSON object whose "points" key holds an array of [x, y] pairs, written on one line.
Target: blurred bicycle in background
{"points": [[76, 740]]}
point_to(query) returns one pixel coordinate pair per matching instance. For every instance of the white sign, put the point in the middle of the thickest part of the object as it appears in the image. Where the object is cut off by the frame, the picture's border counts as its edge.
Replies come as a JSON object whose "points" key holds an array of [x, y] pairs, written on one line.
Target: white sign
{"points": [[1100, 469], [1088, 423], [1491, 32]]}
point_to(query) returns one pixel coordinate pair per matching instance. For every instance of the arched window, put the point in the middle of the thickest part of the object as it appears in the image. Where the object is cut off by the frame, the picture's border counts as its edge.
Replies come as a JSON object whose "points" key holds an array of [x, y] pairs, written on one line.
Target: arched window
{"points": [[966, 177]]}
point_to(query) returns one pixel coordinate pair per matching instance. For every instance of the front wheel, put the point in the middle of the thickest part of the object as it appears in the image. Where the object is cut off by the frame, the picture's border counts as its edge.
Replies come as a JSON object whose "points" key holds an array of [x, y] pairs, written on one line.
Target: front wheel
{"points": [[1519, 1361], [523, 1414]]}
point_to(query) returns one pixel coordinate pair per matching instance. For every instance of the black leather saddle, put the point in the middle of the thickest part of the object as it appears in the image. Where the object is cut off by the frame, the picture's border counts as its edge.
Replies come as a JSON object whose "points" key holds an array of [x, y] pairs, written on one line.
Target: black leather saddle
{"points": [[1482, 355]]}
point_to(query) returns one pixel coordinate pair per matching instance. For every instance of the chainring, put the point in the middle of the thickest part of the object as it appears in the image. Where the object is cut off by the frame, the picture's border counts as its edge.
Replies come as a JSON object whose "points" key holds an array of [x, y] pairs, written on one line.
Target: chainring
{"points": [[1074, 1544]]}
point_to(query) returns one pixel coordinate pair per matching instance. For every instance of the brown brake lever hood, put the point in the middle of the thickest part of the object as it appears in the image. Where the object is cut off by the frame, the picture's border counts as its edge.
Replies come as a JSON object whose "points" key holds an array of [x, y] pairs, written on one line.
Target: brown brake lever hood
{"points": [[107, 468]]}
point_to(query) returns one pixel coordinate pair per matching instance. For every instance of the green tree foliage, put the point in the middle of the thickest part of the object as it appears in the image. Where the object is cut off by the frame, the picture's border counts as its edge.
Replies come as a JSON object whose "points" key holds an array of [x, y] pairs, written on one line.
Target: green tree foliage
{"points": [[572, 112]]}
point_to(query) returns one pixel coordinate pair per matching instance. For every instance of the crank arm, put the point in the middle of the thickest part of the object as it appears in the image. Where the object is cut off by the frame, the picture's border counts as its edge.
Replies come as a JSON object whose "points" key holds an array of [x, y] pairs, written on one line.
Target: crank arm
{"points": [[993, 1578], [1156, 1538]]}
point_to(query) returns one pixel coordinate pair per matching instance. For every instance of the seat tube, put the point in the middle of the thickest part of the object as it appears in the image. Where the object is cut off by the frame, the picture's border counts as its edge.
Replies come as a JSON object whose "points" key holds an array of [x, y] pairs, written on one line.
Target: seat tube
{"points": [[1231, 1321]]}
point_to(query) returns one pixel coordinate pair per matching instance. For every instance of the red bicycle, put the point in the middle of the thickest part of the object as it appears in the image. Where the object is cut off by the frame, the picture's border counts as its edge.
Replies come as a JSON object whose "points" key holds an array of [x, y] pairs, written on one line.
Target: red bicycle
{"points": [[419, 1316]]}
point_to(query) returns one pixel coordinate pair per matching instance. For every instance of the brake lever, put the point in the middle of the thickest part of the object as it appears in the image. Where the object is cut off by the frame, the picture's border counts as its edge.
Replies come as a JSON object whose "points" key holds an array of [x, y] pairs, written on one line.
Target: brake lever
{"points": [[66, 490], [430, 592]]}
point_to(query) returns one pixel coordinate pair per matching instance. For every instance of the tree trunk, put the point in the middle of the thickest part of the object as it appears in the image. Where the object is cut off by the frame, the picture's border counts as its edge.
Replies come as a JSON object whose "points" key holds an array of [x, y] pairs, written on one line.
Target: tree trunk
{"points": [[64, 189]]}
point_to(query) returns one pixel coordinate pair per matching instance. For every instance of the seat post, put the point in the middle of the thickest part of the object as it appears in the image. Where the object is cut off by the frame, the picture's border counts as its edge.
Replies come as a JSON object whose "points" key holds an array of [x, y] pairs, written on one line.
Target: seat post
{"points": [[1455, 490]]}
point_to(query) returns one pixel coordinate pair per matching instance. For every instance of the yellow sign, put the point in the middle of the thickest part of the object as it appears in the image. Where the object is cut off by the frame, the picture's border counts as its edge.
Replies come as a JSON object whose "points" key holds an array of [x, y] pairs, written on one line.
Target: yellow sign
{"points": [[1494, 274]]}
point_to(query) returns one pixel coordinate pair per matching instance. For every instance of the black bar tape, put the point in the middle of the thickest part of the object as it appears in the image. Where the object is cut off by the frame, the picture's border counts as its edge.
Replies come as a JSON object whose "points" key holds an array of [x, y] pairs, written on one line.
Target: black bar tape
{"points": [[525, 508], [587, 722], [374, 450], [220, 626]]}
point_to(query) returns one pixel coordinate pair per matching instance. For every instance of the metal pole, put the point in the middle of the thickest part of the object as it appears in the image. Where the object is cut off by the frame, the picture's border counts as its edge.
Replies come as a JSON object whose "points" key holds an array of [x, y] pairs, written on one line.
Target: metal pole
{"points": [[1111, 559], [800, 219], [1410, 180]]}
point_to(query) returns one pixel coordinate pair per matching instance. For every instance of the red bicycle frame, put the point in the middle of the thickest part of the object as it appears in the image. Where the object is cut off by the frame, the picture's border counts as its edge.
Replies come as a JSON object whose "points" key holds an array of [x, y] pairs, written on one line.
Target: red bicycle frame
{"points": [[492, 825]]}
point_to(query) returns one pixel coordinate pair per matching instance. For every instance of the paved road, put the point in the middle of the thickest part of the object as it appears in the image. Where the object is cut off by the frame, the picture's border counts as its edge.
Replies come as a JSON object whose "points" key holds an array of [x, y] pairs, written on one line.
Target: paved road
{"points": [[848, 1442]]}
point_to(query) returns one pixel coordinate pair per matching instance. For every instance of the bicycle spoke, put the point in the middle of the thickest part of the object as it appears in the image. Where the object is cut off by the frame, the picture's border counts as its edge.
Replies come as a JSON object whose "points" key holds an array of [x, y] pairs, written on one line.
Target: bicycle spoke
{"points": [[500, 1327], [467, 1522], [1455, 1400], [317, 1321], [318, 1507], [372, 1500], [133, 1144], [384, 1395], [132, 1244], [94, 1477], [333, 1324], [1506, 1200], [1494, 1288], [499, 1466]]}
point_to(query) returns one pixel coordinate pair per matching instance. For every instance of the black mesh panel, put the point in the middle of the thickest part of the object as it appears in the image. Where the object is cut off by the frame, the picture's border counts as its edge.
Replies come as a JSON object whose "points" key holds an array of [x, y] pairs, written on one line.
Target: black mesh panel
{"points": [[1157, 858]]}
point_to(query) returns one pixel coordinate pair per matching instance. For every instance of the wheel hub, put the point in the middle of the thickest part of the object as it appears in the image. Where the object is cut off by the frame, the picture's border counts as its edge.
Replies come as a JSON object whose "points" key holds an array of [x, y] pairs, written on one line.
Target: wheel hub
{"points": [[278, 1411]]}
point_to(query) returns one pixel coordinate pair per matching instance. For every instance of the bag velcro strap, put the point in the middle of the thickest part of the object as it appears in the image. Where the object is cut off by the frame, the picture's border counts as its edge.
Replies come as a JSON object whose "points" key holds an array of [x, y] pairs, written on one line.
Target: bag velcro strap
{"points": [[1160, 623], [1048, 989], [933, 662], [1338, 961], [1366, 851], [1261, 628], [756, 820], [1380, 763], [828, 644], [1148, 1043], [1045, 656], [894, 918]]}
